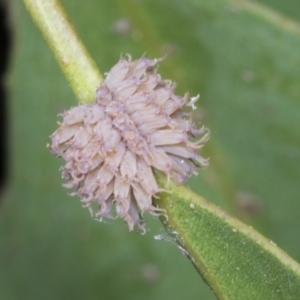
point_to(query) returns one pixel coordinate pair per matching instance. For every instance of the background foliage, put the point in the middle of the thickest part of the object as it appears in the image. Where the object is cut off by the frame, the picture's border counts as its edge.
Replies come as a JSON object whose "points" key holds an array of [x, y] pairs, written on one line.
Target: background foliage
{"points": [[244, 63]]}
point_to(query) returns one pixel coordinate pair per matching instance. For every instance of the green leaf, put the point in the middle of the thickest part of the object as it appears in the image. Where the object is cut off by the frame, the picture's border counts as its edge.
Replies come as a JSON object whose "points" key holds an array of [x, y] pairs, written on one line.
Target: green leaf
{"points": [[290, 8], [236, 261], [244, 64]]}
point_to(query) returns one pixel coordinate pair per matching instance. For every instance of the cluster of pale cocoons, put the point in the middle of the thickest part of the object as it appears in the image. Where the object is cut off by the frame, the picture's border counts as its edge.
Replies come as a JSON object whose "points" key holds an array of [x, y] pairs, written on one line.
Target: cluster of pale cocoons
{"points": [[111, 147]]}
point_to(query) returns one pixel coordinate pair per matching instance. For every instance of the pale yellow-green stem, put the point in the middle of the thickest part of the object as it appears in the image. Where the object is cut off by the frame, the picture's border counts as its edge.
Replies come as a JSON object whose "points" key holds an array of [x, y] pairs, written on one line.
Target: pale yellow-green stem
{"points": [[73, 58]]}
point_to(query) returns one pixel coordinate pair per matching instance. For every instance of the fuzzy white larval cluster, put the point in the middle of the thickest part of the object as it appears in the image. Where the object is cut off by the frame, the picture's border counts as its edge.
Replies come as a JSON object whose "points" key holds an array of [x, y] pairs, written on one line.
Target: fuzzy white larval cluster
{"points": [[110, 147]]}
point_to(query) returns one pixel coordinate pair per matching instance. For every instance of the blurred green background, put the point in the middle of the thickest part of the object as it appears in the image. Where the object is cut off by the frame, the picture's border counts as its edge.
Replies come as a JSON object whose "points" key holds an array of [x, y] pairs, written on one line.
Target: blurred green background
{"points": [[244, 61]]}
